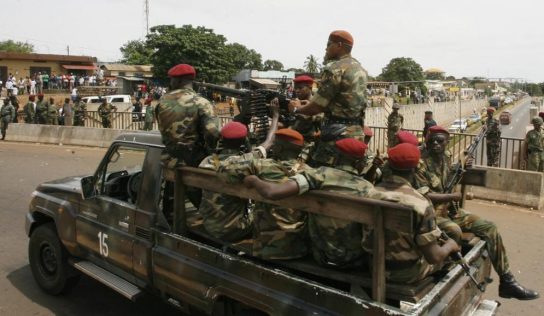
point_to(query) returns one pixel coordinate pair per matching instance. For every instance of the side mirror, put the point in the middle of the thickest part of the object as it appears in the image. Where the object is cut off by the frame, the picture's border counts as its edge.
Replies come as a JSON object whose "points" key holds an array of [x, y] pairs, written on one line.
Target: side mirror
{"points": [[87, 187]]}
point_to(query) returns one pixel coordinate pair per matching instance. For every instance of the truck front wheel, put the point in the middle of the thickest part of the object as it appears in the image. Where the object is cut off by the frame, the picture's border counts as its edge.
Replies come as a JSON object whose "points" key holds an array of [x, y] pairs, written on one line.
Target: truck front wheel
{"points": [[49, 261]]}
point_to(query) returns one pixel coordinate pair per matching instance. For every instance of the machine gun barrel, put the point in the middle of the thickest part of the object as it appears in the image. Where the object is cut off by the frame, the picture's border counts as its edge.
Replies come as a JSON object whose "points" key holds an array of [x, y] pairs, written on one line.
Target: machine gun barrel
{"points": [[458, 257]]}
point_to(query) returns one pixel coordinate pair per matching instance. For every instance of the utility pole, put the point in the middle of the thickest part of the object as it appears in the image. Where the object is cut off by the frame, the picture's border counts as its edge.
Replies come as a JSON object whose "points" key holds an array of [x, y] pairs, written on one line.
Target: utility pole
{"points": [[68, 50], [146, 17]]}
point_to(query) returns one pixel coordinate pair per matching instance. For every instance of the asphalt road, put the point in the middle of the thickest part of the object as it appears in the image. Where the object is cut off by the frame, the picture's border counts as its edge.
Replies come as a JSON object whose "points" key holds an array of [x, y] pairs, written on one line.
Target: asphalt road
{"points": [[24, 166]]}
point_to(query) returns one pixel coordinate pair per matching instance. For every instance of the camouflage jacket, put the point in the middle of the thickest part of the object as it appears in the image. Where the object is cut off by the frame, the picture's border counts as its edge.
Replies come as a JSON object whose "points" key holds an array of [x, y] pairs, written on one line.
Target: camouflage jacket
{"points": [[149, 114], [42, 110], [224, 215], [342, 92], [79, 108], [30, 112], [434, 176], [279, 232], [404, 262], [535, 140], [493, 132], [7, 112], [186, 119], [335, 242], [106, 110], [394, 122]]}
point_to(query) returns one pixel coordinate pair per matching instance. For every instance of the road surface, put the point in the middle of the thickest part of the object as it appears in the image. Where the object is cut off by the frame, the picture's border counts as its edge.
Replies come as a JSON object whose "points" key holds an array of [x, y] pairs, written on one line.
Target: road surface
{"points": [[24, 166]]}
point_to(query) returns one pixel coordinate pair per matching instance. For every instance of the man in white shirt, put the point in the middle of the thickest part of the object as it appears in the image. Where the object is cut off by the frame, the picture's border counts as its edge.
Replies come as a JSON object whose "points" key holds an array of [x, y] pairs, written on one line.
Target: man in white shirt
{"points": [[9, 87]]}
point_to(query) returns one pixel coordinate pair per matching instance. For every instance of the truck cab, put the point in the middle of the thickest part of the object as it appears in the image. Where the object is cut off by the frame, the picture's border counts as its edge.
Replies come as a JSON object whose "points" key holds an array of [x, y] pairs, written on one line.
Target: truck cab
{"points": [[130, 226]]}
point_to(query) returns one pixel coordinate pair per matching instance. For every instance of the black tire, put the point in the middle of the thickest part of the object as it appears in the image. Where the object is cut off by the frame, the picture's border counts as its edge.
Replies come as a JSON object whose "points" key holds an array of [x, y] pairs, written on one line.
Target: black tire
{"points": [[49, 261]]}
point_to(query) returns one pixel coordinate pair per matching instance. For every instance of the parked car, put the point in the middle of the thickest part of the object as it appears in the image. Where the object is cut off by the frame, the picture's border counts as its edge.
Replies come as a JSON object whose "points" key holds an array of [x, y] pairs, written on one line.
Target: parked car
{"points": [[505, 118], [458, 126]]}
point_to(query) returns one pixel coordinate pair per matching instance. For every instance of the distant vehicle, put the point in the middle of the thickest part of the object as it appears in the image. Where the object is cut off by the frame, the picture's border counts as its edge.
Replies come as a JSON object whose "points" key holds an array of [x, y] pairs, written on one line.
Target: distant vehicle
{"points": [[474, 118], [458, 126], [508, 100], [495, 102], [121, 101], [505, 118]]}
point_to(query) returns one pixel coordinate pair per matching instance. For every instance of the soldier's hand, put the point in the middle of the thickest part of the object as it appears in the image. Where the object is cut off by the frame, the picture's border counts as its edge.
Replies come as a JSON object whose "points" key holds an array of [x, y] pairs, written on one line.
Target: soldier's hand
{"points": [[275, 106], [294, 104], [250, 181], [456, 196]]}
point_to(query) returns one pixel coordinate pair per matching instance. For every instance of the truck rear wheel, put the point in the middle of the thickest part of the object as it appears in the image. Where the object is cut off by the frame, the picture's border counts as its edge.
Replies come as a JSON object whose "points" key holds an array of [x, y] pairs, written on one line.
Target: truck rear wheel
{"points": [[49, 261]]}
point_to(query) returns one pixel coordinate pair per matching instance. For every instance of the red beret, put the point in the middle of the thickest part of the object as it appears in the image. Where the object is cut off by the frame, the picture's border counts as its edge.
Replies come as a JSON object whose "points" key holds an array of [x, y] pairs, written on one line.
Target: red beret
{"points": [[368, 131], [437, 130], [406, 137], [403, 156], [32, 97], [290, 135], [341, 36], [491, 109], [541, 114], [234, 130], [351, 147], [304, 79], [182, 70]]}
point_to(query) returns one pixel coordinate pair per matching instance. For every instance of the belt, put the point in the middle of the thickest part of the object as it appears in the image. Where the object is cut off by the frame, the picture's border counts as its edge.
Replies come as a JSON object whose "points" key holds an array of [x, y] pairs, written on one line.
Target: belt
{"points": [[333, 119]]}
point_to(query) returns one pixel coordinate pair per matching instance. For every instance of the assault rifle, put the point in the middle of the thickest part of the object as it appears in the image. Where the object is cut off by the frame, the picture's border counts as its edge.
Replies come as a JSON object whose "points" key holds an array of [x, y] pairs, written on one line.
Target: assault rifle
{"points": [[252, 105]]}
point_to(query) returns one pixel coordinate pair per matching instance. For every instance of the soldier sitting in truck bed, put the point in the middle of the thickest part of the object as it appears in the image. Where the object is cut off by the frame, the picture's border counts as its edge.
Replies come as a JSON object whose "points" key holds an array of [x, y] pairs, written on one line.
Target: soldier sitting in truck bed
{"points": [[408, 258], [279, 232]]}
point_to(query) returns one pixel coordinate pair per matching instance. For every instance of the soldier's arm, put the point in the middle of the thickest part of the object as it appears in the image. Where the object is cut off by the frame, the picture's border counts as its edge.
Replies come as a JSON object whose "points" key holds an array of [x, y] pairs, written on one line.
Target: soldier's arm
{"points": [[209, 124], [272, 190], [319, 102], [274, 105], [428, 239], [438, 198]]}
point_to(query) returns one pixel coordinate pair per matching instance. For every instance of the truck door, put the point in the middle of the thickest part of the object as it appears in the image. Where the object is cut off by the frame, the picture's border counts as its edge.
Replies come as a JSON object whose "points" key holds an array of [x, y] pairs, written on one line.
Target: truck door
{"points": [[105, 223]]}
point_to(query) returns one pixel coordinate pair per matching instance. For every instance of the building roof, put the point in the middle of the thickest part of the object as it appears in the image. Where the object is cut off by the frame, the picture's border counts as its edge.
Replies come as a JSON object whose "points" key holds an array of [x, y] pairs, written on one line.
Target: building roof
{"points": [[434, 70], [264, 82], [123, 67], [47, 57]]}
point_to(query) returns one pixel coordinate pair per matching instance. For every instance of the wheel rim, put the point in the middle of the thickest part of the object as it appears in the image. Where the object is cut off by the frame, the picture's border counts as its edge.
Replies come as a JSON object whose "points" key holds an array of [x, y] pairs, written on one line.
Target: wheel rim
{"points": [[48, 259]]}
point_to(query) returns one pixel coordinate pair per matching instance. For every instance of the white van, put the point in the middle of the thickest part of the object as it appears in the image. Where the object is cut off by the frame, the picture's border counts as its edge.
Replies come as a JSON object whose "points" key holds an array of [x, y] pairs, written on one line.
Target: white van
{"points": [[121, 101]]}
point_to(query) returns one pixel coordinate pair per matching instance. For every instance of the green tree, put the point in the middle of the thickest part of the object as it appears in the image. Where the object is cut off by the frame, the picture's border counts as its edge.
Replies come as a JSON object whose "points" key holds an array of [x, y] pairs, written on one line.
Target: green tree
{"points": [[450, 78], [403, 69], [244, 58], [16, 47], [311, 65], [136, 52], [197, 46], [434, 76], [534, 89], [271, 64]]}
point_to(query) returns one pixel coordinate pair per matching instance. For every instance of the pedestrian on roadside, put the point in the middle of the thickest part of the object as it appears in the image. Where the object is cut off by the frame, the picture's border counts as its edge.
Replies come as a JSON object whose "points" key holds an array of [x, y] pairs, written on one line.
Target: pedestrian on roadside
{"points": [[149, 118], [67, 112]]}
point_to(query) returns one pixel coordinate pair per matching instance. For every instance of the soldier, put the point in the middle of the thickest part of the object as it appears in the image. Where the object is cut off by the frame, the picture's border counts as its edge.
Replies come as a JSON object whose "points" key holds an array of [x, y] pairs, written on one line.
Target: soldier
{"points": [[30, 110], [394, 124], [80, 112], [334, 242], [428, 122], [534, 146], [432, 175], [308, 126], [105, 110], [15, 103], [148, 121], [492, 138], [186, 121], [341, 95], [6, 116], [42, 108], [52, 113], [279, 232]]}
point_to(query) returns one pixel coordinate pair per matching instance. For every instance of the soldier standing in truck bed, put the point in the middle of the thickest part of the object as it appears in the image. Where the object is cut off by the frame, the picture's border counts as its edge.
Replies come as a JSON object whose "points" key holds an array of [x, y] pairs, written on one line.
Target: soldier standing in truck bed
{"points": [[341, 95]]}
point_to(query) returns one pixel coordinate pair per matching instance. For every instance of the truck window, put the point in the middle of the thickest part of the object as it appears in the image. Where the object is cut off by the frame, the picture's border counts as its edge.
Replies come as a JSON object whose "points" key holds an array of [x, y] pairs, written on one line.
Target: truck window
{"points": [[121, 176]]}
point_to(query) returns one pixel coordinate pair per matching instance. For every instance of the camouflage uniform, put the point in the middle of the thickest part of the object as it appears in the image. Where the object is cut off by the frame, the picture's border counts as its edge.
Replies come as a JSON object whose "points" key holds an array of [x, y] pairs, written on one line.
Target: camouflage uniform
{"points": [[394, 124], [342, 95], [52, 114], [148, 122], [30, 112], [431, 176], [426, 125], [80, 111], [493, 142], [404, 262], [307, 126], [188, 127], [224, 215], [106, 112], [279, 232], [42, 110], [335, 242], [535, 149], [6, 116]]}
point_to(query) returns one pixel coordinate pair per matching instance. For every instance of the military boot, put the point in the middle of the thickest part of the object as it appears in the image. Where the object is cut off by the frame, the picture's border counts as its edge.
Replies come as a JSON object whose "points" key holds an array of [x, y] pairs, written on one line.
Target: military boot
{"points": [[510, 288]]}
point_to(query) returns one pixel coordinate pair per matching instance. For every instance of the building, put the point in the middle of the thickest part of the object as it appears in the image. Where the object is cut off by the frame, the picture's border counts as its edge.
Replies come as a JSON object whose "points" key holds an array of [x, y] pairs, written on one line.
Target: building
{"points": [[128, 77], [271, 79], [22, 65]]}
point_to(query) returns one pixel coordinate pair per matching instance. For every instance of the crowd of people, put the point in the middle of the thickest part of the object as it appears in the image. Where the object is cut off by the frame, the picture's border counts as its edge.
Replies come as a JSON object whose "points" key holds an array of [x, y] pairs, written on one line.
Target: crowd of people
{"points": [[292, 160]]}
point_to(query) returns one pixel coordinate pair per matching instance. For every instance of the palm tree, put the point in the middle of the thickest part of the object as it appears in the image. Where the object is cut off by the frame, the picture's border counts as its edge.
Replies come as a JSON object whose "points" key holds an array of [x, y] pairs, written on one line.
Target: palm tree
{"points": [[311, 65]]}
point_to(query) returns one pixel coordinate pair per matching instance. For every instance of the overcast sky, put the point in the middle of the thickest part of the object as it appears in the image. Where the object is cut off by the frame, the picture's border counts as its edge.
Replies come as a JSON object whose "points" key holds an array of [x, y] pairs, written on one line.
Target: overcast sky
{"points": [[464, 37]]}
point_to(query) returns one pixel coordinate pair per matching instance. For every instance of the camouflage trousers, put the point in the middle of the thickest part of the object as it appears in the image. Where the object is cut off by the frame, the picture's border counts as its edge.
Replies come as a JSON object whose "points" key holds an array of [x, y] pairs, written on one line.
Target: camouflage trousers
{"points": [[4, 126], [392, 140], [486, 230], [79, 120], [535, 161], [493, 154], [106, 122]]}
